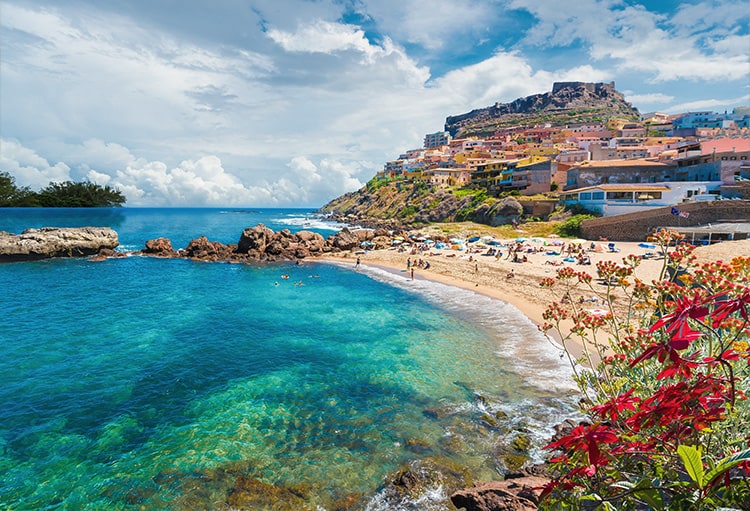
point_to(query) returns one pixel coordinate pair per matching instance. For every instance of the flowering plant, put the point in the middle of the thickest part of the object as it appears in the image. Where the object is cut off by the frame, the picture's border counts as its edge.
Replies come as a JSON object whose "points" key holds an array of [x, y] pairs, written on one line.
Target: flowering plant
{"points": [[664, 370]]}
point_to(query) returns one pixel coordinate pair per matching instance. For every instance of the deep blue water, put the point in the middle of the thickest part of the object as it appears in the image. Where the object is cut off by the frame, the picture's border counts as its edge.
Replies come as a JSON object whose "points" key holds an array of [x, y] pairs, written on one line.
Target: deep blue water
{"points": [[143, 383]]}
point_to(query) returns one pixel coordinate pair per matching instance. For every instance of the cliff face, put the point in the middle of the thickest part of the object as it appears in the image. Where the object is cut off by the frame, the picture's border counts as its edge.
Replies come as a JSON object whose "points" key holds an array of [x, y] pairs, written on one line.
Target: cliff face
{"points": [[568, 102]]}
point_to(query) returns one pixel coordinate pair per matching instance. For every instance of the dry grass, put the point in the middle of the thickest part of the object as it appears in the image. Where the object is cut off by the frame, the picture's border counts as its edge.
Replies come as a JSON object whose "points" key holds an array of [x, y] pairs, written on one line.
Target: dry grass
{"points": [[468, 229]]}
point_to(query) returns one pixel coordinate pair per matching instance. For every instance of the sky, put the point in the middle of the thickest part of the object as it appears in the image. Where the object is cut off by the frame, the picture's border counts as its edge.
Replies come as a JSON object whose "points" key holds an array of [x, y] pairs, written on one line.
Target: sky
{"points": [[291, 103]]}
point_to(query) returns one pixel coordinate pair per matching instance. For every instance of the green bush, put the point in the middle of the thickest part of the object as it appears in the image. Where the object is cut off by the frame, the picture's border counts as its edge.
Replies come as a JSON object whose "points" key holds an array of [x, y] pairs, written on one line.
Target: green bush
{"points": [[408, 211], [572, 226]]}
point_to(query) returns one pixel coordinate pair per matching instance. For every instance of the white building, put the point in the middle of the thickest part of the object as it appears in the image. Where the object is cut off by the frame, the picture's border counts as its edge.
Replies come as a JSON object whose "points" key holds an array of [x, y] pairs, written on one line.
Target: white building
{"points": [[618, 199]]}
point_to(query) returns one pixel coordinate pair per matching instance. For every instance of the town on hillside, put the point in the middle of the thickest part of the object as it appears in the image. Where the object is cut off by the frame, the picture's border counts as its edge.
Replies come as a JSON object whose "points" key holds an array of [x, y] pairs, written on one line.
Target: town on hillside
{"points": [[612, 167]]}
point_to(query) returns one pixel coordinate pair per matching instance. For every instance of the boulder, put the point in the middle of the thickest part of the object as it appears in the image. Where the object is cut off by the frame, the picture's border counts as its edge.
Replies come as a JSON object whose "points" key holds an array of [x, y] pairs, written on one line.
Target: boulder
{"points": [[345, 240], [504, 211], [160, 247], [204, 249], [48, 242], [519, 494], [255, 239]]}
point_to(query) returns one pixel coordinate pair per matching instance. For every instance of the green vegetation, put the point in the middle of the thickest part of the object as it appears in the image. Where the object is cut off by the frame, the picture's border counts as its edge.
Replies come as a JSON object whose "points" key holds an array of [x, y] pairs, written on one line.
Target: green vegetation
{"points": [[408, 211], [572, 226], [377, 182], [59, 195]]}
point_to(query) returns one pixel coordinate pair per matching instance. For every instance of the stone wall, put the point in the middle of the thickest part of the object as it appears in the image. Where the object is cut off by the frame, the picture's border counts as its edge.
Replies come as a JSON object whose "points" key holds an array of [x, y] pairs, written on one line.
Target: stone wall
{"points": [[637, 226]]}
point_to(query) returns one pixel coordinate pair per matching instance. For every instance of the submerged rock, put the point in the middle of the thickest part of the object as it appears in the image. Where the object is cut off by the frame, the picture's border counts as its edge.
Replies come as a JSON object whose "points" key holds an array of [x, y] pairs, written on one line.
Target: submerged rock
{"points": [[251, 494], [49, 242]]}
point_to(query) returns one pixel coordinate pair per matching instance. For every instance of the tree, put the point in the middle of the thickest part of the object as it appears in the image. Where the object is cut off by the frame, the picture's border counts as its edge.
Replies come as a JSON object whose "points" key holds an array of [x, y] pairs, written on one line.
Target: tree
{"points": [[11, 195], [55, 195]]}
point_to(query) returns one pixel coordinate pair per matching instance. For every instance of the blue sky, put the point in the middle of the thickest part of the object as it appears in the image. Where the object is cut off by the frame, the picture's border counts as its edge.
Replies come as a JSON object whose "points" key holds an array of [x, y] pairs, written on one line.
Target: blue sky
{"points": [[291, 103]]}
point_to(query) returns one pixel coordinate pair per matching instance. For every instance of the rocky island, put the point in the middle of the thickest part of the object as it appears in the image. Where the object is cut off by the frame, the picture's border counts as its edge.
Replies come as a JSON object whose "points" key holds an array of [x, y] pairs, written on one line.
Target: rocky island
{"points": [[48, 242]]}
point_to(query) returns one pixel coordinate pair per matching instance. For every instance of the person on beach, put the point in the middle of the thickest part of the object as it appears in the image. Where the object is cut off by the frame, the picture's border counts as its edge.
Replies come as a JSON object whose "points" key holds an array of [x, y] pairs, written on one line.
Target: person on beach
{"points": [[357, 264], [412, 274]]}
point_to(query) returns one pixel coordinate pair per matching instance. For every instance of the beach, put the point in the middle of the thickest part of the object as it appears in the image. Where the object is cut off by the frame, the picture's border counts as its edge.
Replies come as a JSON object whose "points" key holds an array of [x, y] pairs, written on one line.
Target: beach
{"points": [[490, 275]]}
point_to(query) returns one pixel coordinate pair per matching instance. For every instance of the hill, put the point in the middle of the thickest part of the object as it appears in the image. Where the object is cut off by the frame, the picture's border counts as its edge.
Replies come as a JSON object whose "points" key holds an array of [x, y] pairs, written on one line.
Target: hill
{"points": [[385, 202], [567, 103]]}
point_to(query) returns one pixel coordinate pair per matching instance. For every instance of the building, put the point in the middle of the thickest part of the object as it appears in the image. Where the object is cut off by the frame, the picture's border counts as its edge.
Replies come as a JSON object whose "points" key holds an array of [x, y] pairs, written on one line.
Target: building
{"points": [[437, 139], [618, 199], [442, 177]]}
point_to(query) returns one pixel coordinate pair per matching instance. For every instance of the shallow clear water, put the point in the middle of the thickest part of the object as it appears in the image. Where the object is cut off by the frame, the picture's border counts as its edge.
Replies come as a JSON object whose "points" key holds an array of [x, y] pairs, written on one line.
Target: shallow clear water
{"points": [[143, 383]]}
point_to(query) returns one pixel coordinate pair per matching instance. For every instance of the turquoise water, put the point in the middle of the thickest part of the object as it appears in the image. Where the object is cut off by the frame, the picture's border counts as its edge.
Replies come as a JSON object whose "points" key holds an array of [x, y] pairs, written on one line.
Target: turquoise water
{"points": [[143, 383]]}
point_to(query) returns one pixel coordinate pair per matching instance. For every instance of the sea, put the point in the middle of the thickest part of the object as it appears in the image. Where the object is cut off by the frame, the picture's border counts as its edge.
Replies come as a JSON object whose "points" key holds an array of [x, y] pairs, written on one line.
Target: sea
{"points": [[140, 383]]}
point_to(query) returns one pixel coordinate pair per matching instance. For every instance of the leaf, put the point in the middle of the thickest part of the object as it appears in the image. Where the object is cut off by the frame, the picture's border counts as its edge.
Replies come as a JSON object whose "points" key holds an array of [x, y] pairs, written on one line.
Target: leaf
{"points": [[725, 465], [692, 458], [650, 496]]}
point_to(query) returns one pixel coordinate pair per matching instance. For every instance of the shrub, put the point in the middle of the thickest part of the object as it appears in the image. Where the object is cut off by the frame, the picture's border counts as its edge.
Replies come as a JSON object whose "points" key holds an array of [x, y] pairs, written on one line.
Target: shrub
{"points": [[665, 402], [572, 226]]}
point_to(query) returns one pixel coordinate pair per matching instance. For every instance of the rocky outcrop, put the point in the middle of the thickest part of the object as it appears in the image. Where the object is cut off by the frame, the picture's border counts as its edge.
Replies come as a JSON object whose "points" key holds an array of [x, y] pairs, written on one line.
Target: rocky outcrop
{"points": [[48, 242], [260, 243], [160, 247], [400, 204], [518, 494], [568, 102], [504, 211]]}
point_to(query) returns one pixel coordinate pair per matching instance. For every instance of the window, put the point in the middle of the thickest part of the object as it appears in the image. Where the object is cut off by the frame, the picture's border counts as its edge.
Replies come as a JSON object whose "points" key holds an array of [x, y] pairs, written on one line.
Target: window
{"points": [[620, 196], [585, 196], [597, 196]]}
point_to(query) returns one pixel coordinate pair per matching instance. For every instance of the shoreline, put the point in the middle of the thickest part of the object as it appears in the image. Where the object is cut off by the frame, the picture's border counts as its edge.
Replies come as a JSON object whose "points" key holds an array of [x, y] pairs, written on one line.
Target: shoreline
{"points": [[488, 276]]}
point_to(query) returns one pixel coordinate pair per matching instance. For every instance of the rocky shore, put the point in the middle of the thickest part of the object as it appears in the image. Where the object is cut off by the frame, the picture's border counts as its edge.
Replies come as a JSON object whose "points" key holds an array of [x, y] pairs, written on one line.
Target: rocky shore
{"points": [[49, 242], [261, 244]]}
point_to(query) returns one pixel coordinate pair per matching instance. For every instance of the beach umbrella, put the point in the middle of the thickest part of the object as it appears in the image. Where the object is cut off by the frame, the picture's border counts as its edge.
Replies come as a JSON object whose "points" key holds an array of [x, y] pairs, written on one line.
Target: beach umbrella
{"points": [[366, 244], [521, 240], [537, 240], [429, 242], [473, 239]]}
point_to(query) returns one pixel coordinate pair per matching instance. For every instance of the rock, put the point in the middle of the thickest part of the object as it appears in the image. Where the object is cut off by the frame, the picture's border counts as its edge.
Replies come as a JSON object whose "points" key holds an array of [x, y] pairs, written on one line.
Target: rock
{"points": [[519, 494], [106, 253], [160, 247], [255, 239], [48, 242], [206, 250], [345, 240], [251, 494], [503, 211]]}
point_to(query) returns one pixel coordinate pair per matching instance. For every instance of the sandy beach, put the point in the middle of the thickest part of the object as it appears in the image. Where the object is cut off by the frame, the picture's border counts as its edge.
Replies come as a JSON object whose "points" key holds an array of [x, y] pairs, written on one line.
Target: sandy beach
{"points": [[489, 275]]}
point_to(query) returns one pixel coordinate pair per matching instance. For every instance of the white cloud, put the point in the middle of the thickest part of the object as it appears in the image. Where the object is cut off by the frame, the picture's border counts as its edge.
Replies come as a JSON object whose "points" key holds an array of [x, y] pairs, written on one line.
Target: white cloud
{"points": [[709, 104], [649, 99], [200, 182], [505, 77], [323, 37], [297, 102], [28, 168], [664, 49]]}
